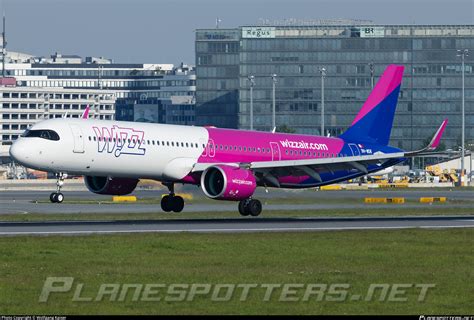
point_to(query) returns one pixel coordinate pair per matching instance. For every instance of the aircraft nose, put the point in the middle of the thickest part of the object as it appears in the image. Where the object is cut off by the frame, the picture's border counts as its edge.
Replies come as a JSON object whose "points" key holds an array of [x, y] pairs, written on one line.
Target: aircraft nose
{"points": [[18, 152]]}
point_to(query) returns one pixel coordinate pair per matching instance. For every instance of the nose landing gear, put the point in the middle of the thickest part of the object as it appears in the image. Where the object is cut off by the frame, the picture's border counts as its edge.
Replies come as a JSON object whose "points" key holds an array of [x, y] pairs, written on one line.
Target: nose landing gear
{"points": [[250, 206], [172, 202], [58, 197]]}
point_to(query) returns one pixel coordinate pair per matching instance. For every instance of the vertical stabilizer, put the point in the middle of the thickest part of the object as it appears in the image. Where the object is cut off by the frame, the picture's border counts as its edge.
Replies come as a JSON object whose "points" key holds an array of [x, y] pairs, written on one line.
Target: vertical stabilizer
{"points": [[374, 121]]}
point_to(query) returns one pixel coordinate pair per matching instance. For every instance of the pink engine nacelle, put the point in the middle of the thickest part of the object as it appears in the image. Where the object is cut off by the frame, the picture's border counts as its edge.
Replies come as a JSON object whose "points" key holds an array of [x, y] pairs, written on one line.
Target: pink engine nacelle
{"points": [[225, 182], [110, 185]]}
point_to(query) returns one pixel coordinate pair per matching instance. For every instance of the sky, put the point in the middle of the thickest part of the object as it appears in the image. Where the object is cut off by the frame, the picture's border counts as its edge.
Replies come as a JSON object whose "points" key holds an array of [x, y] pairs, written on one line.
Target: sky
{"points": [[162, 31]]}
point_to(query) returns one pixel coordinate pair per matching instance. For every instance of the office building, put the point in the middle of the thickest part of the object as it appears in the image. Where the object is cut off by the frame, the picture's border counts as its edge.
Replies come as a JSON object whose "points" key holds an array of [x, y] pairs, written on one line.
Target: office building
{"points": [[37, 88], [354, 54]]}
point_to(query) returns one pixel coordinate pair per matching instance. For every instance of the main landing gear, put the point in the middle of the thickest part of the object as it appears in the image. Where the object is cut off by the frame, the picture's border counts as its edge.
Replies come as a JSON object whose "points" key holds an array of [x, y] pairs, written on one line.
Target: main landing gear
{"points": [[58, 197], [250, 206], [172, 202]]}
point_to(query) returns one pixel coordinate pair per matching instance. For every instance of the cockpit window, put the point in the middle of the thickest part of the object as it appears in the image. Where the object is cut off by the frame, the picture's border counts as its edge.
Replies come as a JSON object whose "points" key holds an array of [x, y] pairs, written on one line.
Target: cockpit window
{"points": [[45, 134]]}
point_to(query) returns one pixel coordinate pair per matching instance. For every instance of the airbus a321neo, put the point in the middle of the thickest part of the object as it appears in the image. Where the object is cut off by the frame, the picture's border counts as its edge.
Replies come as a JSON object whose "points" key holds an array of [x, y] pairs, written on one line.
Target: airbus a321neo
{"points": [[227, 164]]}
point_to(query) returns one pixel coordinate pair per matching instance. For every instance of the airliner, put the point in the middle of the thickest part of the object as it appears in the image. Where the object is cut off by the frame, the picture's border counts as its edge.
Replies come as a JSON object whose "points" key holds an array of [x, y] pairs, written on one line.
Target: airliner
{"points": [[227, 164]]}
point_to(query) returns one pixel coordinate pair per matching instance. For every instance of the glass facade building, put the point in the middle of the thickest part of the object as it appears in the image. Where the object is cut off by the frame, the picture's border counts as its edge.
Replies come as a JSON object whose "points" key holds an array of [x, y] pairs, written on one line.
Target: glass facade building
{"points": [[354, 57]]}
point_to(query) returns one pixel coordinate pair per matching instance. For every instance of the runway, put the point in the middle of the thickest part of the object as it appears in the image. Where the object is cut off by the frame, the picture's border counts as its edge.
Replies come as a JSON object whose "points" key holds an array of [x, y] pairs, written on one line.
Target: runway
{"points": [[241, 225], [23, 202]]}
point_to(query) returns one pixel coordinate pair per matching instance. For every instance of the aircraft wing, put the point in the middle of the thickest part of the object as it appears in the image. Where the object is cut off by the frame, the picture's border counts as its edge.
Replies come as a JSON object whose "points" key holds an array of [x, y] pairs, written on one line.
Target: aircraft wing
{"points": [[308, 165]]}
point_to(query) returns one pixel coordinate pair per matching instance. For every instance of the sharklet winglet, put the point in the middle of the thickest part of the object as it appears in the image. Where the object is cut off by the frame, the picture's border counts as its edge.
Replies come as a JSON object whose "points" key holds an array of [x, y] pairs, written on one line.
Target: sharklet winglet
{"points": [[434, 143], [85, 114], [437, 137]]}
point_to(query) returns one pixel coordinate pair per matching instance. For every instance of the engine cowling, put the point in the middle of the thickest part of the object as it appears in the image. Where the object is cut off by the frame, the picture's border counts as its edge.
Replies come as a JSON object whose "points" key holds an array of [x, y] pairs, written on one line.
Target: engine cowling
{"points": [[110, 185], [228, 183]]}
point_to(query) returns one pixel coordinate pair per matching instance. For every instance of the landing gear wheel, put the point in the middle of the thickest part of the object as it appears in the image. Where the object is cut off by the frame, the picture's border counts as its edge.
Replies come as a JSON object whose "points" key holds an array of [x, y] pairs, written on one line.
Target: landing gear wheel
{"points": [[177, 204], [243, 207], [254, 207], [166, 202], [59, 197], [171, 202], [251, 207]]}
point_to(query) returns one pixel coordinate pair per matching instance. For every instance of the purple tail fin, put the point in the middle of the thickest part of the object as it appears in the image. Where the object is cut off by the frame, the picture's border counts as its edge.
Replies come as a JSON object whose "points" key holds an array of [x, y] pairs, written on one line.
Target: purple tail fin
{"points": [[374, 121]]}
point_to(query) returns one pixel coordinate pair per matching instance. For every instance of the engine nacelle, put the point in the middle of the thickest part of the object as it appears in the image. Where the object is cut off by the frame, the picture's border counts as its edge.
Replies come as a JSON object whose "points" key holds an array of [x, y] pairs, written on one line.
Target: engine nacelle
{"points": [[228, 183], [110, 185]]}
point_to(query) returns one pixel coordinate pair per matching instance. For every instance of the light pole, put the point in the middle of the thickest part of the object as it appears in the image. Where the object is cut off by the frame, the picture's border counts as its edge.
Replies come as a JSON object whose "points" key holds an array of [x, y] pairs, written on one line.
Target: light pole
{"points": [[218, 20], [252, 83], [274, 80], [371, 67], [462, 53], [322, 70]]}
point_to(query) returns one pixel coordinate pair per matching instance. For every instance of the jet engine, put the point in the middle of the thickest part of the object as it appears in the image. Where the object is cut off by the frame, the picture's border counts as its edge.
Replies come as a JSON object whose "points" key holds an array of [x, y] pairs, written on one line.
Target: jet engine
{"points": [[225, 182], [110, 185]]}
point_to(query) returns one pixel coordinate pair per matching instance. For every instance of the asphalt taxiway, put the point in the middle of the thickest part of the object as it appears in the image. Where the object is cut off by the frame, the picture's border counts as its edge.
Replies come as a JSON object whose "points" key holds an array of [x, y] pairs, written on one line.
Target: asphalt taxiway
{"points": [[34, 201], [23, 202], [231, 225]]}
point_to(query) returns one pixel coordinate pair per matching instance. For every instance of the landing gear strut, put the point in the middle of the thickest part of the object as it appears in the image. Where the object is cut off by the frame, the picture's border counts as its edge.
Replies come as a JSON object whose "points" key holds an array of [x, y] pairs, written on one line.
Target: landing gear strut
{"points": [[172, 202], [58, 197], [250, 206]]}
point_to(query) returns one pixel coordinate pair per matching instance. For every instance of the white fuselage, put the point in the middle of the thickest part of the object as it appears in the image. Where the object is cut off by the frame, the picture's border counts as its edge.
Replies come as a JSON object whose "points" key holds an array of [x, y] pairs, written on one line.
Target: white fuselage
{"points": [[113, 148]]}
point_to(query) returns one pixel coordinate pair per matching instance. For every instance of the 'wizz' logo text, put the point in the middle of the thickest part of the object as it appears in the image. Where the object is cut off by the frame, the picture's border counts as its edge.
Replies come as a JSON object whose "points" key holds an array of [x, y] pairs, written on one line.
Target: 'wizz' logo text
{"points": [[118, 140]]}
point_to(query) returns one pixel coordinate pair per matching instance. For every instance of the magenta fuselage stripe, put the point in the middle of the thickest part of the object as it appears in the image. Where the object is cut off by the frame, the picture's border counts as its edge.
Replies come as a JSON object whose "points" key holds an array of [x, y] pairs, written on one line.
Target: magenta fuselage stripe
{"points": [[389, 81], [268, 146]]}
